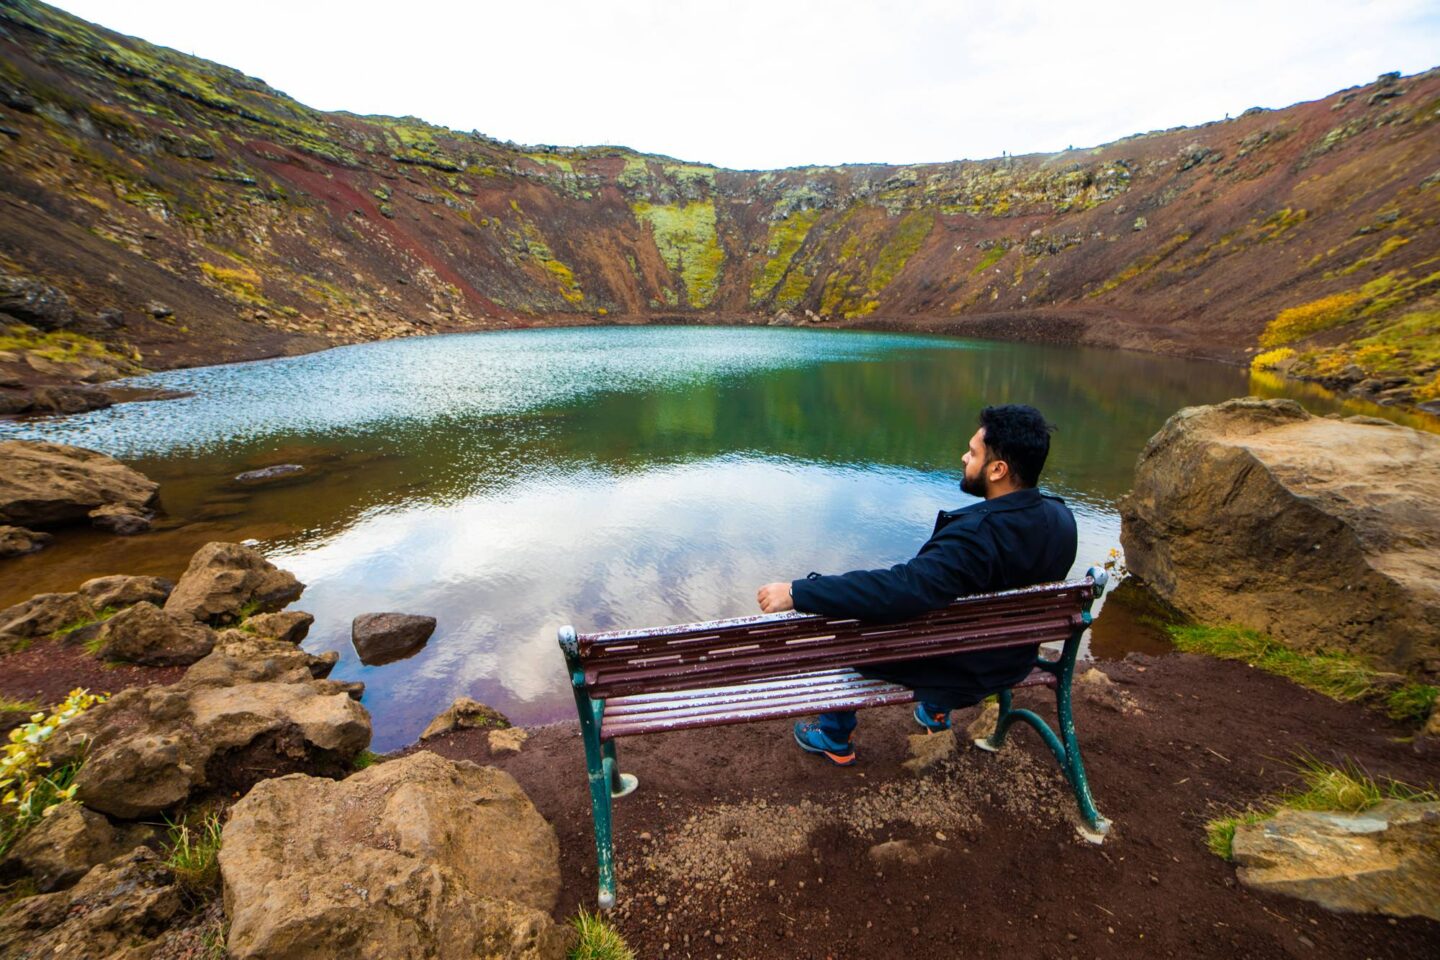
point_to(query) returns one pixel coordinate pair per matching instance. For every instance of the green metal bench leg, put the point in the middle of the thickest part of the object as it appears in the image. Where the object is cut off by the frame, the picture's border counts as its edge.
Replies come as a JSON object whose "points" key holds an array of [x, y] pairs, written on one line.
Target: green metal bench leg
{"points": [[1065, 746], [996, 740], [621, 784], [595, 765], [1095, 826]]}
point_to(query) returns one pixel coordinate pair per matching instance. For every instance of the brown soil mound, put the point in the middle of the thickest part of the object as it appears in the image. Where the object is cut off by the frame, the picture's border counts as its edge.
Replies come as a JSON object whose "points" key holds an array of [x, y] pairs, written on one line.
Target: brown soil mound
{"points": [[738, 845]]}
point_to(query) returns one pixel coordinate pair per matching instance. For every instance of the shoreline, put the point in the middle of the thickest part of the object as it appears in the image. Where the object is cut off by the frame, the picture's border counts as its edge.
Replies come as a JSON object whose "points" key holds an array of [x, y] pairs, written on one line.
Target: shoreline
{"points": [[1040, 327]]}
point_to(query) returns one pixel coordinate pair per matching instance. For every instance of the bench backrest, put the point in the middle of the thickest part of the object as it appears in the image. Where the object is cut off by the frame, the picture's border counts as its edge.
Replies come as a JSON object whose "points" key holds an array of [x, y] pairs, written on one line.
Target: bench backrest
{"points": [[698, 655]]}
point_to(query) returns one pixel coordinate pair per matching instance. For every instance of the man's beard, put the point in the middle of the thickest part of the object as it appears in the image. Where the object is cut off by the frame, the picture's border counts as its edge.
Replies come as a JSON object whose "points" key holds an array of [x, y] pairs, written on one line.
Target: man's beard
{"points": [[979, 487]]}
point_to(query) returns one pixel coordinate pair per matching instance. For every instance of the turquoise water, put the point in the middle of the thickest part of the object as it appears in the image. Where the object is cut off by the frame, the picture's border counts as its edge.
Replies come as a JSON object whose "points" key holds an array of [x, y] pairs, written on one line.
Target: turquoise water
{"points": [[510, 483]]}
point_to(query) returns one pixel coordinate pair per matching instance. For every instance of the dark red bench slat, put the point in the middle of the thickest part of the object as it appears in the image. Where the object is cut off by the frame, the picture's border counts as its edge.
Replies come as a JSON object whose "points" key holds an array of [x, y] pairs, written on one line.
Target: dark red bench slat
{"points": [[611, 680], [1066, 591]]}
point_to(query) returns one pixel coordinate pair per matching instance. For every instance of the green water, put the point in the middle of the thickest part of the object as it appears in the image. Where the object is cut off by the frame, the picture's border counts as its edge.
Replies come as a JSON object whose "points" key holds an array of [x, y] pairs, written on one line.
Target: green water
{"points": [[510, 483]]}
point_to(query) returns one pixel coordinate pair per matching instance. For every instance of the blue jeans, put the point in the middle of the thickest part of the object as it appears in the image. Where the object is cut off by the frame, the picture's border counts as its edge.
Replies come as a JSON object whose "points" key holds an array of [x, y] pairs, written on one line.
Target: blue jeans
{"points": [[841, 723]]}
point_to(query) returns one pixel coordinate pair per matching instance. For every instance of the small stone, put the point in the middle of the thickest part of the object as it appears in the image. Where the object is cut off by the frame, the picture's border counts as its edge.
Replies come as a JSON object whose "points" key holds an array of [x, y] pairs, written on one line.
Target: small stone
{"points": [[464, 714], [385, 637], [508, 740]]}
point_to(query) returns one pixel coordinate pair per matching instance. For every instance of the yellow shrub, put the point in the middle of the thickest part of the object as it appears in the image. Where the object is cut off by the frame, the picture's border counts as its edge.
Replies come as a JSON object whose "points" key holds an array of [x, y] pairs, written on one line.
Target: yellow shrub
{"points": [[1298, 322], [1271, 359], [28, 785]]}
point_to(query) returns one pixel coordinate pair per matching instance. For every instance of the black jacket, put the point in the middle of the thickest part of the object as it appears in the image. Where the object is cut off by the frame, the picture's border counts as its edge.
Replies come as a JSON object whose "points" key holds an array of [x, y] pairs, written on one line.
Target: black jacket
{"points": [[1020, 539]]}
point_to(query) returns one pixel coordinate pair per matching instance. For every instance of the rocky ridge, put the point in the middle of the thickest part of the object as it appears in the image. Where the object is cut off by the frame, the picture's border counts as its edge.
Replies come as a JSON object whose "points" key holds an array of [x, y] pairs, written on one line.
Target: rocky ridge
{"points": [[164, 210]]}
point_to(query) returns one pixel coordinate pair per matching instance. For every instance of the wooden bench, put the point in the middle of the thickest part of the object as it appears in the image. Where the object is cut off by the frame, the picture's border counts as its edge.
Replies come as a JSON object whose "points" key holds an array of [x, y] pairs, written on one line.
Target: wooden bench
{"points": [[630, 682]]}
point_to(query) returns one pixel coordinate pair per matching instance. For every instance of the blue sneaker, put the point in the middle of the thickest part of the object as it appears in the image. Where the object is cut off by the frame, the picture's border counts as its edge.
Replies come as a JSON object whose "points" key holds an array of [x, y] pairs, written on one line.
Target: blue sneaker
{"points": [[813, 740], [932, 722]]}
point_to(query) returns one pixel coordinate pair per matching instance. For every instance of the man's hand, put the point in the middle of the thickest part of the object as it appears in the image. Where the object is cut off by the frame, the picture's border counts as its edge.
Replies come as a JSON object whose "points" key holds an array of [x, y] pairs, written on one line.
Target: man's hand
{"points": [[775, 598]]}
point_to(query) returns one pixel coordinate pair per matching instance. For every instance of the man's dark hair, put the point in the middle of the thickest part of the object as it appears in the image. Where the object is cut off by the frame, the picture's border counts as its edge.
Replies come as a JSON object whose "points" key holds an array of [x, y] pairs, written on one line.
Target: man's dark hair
{"points": [[1019, 435]]}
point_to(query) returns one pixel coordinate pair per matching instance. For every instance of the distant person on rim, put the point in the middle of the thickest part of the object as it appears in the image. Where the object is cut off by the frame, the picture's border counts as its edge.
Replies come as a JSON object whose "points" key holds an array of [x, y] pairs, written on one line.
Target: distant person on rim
{"points": [[1014, 537]]}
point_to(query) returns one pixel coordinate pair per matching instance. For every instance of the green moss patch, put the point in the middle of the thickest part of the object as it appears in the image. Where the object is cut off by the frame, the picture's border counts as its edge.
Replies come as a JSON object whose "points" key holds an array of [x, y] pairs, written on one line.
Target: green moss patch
{"points": [[687, 240], [784, 239]]}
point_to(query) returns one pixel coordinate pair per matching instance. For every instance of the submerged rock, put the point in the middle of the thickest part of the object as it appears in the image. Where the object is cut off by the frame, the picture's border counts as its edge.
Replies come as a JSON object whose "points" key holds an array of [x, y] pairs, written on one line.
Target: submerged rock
{"points": [[465, 714], [417, 857], [226, 581], [50, 483], [17, 541], [385, 637], [120, 520], [1385, 860], [281, 471], [1322, 533]]}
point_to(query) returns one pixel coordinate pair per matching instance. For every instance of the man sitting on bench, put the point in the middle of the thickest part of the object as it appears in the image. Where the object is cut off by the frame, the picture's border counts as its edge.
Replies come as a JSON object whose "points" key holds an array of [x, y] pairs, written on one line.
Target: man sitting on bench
{"points": [[1014, 537]]}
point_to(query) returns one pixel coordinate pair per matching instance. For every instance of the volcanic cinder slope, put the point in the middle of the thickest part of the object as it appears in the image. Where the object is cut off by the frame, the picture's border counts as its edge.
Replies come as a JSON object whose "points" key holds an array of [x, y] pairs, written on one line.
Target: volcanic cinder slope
{"points": [[136, 180]]}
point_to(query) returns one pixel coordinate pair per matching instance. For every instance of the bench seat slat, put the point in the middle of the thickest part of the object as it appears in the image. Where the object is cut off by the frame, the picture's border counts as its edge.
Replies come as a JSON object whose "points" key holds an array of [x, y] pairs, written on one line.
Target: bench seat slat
{"points": [[951, 620], [1068, 592], [841, 679], [749, 704], [611, 680]]}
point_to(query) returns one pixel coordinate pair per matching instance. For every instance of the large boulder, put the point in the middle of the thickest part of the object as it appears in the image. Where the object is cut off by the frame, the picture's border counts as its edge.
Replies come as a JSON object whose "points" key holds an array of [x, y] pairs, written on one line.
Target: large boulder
{"points": [[49, 483], [114, 909], [386, 637], [226, 582], [1385, 860], [415, 857], [145, 634], [147, 749], [1322, 533], [66, 844]]}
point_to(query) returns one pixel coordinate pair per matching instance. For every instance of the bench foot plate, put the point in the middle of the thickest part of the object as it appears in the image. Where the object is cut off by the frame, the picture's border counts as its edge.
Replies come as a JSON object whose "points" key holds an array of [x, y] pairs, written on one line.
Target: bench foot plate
{"points": [[628, 783], [1095, 834]]}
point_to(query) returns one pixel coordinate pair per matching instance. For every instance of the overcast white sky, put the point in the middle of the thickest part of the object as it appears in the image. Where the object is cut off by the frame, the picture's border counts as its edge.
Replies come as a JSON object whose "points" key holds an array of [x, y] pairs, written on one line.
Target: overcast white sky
{"points": [[777, 83]]}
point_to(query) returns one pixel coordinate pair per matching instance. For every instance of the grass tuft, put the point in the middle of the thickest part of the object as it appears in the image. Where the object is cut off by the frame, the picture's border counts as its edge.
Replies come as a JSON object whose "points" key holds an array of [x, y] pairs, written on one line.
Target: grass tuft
{"points": [[598, 939], [193, 853], [1337, 675], [365, 758], [1345, 789], [17, 706]]}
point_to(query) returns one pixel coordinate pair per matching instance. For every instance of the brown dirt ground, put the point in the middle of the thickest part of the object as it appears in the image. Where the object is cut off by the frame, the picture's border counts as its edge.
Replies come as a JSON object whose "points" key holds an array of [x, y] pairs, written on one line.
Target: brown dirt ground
{"points": [[47, 670], [738, 845]]}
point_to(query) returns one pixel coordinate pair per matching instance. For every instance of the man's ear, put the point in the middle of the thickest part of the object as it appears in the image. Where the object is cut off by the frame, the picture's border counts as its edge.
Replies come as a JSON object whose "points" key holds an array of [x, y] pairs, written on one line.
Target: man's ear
{"points": [[998, 469]]}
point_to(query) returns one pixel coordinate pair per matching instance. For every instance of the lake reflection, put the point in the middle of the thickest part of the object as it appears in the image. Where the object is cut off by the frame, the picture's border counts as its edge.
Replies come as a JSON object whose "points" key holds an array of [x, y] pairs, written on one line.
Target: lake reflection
{"points": [[511, 483]]}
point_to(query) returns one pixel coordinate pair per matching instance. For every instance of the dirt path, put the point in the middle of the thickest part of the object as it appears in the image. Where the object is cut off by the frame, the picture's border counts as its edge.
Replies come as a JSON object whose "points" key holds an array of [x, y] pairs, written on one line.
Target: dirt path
{"points": [[737, 845]]}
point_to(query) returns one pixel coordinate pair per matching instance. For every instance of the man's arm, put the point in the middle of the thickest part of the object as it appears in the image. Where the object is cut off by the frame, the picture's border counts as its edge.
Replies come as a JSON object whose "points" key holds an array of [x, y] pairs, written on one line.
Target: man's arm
{"points": [[955, 562]]}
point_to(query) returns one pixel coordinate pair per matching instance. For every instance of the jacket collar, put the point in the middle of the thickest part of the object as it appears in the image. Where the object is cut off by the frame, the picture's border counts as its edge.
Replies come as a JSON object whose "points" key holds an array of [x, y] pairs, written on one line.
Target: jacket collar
{"points": [[1019, 500]]}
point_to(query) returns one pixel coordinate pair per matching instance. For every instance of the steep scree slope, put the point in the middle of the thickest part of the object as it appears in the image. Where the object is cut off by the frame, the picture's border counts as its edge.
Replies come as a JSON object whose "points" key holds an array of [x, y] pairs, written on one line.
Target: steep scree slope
{"points": [[181, 212]]}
